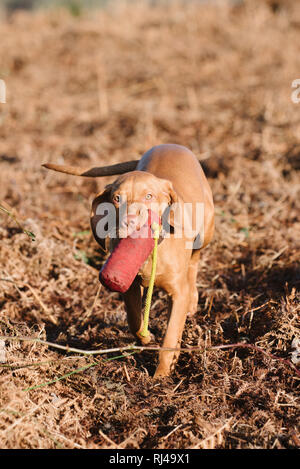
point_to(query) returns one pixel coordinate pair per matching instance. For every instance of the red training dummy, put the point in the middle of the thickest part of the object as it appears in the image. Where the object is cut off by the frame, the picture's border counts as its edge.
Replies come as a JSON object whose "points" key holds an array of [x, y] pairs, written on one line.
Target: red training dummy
{"points": [[123, 264]]}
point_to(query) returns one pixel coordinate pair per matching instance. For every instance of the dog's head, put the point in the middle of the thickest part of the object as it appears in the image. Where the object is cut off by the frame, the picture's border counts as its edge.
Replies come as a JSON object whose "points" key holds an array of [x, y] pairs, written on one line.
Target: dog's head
{"points": [[123, 205]]}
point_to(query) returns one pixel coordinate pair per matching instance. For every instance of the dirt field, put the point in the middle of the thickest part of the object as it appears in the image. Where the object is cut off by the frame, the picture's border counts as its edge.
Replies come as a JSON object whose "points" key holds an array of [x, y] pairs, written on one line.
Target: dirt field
{"points": [[104, 87]]}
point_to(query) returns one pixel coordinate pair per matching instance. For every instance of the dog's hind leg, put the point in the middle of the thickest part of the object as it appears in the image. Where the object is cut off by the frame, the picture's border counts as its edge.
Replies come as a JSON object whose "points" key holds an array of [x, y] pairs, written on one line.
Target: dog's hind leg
{"points": [[192, 279]]}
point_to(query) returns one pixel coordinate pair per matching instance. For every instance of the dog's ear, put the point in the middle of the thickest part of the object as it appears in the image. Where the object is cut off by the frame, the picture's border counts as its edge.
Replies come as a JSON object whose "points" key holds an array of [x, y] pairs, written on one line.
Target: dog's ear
{"points": [[102, 213], [170, 216], [168, 189], [184, 220]]}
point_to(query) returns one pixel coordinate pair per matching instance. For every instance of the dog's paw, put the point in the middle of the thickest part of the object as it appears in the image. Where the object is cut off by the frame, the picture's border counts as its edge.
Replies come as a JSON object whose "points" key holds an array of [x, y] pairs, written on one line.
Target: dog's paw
{"points": [[161, 372]]}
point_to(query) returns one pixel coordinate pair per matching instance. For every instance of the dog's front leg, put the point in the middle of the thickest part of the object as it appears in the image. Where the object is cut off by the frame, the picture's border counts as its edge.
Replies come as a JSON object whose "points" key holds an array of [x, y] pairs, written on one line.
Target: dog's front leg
{"points": [[133, 303], [167, 359]]}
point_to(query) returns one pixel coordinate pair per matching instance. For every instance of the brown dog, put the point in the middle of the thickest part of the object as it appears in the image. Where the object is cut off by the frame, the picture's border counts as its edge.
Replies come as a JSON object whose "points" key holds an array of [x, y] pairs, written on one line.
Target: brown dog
{"points": [[166, 176]]}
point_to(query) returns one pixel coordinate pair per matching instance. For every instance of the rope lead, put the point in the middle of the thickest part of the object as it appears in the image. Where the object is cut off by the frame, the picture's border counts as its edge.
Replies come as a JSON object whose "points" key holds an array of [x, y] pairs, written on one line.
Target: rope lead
{"points": [[145, 331]]}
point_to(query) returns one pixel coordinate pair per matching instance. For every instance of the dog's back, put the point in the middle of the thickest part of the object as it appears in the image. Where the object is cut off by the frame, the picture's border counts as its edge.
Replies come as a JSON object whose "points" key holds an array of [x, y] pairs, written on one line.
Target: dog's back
{"points": [[180, 166]]}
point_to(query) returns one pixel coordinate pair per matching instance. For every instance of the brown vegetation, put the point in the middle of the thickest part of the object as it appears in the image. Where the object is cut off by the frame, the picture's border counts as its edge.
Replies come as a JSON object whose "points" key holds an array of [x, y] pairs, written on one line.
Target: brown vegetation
{"points": [[103, 88]]}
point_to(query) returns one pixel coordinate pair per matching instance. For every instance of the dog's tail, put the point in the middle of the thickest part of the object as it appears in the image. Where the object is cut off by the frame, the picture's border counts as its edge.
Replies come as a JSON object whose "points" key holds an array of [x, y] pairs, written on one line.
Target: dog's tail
{"points": [[111, 170]]}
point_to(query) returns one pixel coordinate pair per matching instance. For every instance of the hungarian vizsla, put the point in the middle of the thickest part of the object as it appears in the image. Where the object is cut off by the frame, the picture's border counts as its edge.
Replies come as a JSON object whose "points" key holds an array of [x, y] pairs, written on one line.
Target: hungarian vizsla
{"points": [[170, 179]]}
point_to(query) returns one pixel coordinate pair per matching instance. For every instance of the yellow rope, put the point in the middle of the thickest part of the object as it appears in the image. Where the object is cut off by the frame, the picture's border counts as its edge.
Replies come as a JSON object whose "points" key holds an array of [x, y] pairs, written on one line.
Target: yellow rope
{"points": [[145, 332]]}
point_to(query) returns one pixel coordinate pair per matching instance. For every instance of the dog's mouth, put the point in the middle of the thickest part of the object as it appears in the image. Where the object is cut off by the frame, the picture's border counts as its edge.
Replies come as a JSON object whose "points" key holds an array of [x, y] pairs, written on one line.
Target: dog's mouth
{"points": [[137, 226], [132, 223]]}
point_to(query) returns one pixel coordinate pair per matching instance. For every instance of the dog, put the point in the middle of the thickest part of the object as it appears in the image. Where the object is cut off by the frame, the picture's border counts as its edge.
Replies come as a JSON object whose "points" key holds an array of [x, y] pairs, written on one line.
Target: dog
{"points": [[166, 176]]}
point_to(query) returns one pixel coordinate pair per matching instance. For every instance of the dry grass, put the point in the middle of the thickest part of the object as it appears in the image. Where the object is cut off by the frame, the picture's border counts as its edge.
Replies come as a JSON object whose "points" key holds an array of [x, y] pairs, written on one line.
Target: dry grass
{"points": [[103, 88]]}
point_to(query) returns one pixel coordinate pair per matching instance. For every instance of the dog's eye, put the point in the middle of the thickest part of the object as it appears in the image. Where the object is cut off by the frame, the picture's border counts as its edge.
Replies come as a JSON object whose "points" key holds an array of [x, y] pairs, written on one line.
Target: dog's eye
{"points": [[148, 196], [116, 198]]}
